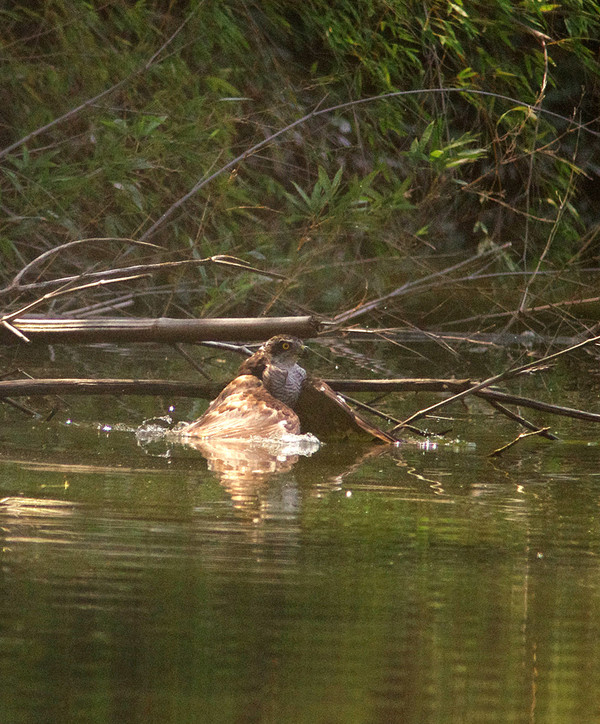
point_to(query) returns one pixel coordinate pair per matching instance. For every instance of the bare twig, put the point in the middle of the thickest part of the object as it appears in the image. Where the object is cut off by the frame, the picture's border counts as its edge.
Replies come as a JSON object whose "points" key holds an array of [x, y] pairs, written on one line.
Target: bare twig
{"points": [[497, 378], [349, 314], [61, 248], [548, 244], [526, 310], [521, 420], [522, 436], [7, 318], [145, 269], [538, 105], [15, 331]]}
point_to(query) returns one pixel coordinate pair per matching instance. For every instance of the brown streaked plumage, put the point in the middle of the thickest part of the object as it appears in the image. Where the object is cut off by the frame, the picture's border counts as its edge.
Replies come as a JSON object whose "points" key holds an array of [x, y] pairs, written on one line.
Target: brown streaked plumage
{"points": [[257, 402], [272, 395], [244, 409]]}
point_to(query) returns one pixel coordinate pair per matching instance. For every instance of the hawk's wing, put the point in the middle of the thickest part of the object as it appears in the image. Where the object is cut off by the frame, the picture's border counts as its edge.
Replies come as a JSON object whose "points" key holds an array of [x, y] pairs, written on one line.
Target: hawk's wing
{"points": [[327, 415], [244, 409]]}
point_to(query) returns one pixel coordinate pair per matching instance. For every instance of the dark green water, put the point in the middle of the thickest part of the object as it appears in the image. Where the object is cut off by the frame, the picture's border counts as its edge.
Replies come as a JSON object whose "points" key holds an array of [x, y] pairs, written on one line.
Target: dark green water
{"points": [[356, 586]]}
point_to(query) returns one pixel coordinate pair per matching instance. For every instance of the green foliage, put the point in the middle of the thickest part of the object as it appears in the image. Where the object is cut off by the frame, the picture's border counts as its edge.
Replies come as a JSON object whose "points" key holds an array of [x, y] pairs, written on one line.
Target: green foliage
{"points": [[422, 173]]}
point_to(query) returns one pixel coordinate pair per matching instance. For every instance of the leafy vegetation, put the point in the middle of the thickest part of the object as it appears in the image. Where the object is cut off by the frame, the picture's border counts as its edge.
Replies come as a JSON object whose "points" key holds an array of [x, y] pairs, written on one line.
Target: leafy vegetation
{"points": [[113, 113]]}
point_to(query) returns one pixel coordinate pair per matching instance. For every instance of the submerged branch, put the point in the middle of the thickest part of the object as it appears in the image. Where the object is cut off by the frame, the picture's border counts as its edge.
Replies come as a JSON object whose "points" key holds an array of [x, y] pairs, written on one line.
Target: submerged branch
{"points": [[507, 374], [209, 390], [522, 421], [522, 436]]}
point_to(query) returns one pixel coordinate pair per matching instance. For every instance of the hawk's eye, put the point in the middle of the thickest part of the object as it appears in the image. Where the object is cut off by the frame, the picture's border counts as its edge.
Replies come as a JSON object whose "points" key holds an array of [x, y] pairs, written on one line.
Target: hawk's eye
{"points": [[285, 345]]}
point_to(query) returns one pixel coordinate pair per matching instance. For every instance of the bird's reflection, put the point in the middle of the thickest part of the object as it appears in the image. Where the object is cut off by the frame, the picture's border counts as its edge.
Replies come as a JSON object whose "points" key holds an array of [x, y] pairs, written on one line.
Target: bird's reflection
{"points": [[250, 462], [246, 470]]}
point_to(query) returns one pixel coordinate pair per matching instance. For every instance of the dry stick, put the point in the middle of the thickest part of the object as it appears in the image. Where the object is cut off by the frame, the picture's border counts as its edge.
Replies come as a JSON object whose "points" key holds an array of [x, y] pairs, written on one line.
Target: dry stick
{"points": [[55, 250], [527, 310], [340, 106], [110, 305], [497, 378], [531, 159], [419, 286], [144, 269], [344, 317], [523, 435], [95, 99], [7, 318], [521, 420], [546, 249], [15, 331]]}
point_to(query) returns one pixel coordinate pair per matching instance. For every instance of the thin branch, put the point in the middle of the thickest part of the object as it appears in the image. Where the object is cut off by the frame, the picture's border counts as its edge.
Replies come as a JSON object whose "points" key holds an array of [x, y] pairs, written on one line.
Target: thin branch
{"points": [[527, 310], [521, 420], [349, 314], [342, 106], [15, 331], [145, 269], [61, 292], [58, 249], [497, 378], [95, 99], [522, 436]]}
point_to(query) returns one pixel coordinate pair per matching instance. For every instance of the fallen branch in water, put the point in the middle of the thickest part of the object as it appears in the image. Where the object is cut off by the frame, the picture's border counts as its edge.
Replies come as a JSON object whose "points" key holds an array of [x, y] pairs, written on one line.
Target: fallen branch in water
{"points": [[507, 374], [209, 390], [520, 437], [543, 432]]}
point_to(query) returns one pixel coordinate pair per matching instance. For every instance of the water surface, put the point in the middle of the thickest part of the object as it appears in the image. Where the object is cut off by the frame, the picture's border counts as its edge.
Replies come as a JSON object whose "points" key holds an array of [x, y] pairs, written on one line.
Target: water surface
{"points": [[356, 585]]}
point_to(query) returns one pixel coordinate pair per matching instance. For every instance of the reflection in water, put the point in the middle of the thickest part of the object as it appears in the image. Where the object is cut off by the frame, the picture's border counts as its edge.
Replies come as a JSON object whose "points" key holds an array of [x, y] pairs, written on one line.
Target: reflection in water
{"points": [[244, 469], [252, 461], [242, 466], [347, 586]]}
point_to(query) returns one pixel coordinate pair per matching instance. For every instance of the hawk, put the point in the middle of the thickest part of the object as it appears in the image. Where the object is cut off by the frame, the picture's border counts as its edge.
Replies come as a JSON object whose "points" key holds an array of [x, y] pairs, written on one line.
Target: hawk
{"points": [[273, 395]]}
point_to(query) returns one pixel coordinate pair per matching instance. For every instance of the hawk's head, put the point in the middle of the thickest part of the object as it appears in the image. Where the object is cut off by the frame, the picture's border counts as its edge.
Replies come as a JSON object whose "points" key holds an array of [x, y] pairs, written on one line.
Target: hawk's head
{"points": [[282, 350]]}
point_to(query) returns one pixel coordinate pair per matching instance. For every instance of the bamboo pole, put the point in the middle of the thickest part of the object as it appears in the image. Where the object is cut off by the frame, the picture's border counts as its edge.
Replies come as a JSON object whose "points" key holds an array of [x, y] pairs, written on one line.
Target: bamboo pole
{"points": [[111, 330]]}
